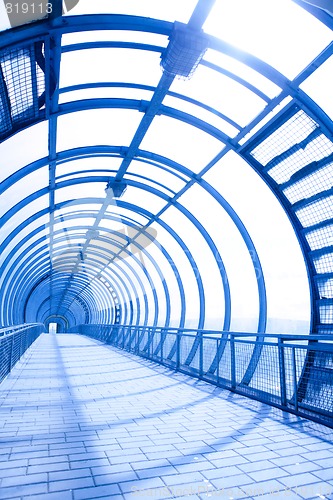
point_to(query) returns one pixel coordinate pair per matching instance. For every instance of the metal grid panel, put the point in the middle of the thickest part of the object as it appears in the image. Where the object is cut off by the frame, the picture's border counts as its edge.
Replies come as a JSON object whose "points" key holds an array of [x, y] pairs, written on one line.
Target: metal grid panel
{"points": [[315, 150], [266, 378], [293, 376], [168, 347], [325, 288], [14, 342], [316, 211], [209, 353], [24, 82], [243, 353], [186, 343], [5, 355], [319, 382], [324, 264], [294, 130], [318, 181], [320, 238], [225, 363], [326, 313]]}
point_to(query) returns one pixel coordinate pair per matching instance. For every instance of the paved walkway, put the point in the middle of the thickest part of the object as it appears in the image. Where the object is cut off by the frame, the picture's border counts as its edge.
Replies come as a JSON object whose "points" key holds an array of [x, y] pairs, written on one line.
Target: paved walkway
{"points": [[80, 420]]}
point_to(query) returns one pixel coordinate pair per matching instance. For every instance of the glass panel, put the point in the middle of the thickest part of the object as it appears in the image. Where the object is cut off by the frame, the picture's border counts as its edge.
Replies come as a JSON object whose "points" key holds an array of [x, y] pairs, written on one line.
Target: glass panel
{"points": [[318, 86], [114, 35], [196, 244], [23, 148], [143, 199], [245, 72], [23, 188], [180, 142], [124, 213], [202, 114], [169, 278], [23, 214], [75, 206], [110, 126], [184, 269], [279, 252], [237, 260], [100, 163], [78, 191], [110, 65], [157, 174], [265, 120], [221, 93], [105, 92], [260, 24], [170, 11], [25, 231], [147, 182]]}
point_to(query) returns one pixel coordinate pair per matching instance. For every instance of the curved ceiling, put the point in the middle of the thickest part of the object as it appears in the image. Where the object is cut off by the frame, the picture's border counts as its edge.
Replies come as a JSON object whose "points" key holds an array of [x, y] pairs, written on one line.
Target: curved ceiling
{"points": [[168, 165]]}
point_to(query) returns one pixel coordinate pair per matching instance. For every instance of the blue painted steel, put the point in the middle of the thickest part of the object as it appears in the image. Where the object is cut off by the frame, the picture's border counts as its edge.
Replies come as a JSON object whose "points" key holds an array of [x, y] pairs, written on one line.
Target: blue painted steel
{"points": [[316, 403]]}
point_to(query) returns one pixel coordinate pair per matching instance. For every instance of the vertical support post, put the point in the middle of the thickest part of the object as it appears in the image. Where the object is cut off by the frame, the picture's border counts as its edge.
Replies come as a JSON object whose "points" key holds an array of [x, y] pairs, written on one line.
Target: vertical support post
{"points": [[218, 362], [149, 343], [282, 370], [295, 378], [201, 356], [10, 354], [162, 344], [233, 361], [21, 343], [178, 339]]}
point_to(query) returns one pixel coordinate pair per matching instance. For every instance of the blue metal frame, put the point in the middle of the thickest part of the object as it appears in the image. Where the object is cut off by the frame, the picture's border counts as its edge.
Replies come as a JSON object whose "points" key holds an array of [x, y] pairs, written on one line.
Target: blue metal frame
{"points": [[18, 286]]}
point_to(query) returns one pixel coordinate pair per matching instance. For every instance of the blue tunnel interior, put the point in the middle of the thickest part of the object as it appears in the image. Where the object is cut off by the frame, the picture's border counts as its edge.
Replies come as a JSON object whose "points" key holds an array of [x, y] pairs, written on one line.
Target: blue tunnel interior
{"points": [[168, 165]]}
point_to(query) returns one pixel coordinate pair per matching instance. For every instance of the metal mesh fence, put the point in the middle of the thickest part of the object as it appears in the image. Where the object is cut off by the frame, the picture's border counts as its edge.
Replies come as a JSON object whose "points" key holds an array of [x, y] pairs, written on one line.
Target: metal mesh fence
{"points": [[266, 377], [14, 341], [22, 83], [292, 372]]}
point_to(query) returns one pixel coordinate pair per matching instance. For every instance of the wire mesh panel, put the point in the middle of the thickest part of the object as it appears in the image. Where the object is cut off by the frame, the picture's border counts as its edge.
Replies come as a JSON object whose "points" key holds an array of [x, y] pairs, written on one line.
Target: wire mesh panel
{"points": [[318, 238], [14, 341], [266, 377], [295, 130], [224, 368], [297, 377], [317, 385], [22, 86], [209, 352], [5, 356], [169, 348], [143, 341], [186, 344], [243, 355]]}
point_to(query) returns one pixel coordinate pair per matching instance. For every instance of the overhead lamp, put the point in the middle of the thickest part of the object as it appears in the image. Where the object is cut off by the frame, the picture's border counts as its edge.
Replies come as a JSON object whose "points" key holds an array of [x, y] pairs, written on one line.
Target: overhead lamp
{"points": [[115, 189], [185, 51]]}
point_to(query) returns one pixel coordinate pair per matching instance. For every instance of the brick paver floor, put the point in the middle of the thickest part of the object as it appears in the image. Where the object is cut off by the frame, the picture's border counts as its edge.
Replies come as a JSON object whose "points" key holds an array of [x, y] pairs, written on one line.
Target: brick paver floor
{"points": [[81, 420]]}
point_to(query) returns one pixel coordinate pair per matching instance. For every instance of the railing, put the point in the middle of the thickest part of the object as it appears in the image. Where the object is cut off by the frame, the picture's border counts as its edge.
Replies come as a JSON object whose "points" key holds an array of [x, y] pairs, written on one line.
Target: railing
{"points": [[292, 372], [14, 341]]}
